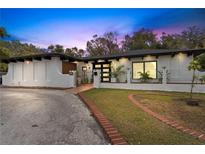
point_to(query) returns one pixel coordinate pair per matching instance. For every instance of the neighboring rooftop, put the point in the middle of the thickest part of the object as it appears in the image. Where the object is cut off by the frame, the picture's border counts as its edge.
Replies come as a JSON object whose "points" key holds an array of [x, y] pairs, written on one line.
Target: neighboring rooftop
{"points": [[129, 54]]}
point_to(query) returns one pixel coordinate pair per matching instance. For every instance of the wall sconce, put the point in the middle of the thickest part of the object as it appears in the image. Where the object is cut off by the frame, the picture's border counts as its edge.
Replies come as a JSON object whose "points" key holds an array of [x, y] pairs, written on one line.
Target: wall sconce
{"points": [[27, 62], [84, 68]]}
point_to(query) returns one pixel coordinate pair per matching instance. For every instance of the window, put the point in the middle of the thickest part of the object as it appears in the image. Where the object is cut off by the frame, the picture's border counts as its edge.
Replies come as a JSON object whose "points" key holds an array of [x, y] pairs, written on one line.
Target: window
{"points": [[137, 67], [149, 66], [67, 67]]}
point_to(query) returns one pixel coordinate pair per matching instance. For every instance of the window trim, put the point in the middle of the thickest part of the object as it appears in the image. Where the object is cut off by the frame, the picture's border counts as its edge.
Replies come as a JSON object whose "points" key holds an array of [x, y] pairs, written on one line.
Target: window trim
{"points": [[144, 68]]}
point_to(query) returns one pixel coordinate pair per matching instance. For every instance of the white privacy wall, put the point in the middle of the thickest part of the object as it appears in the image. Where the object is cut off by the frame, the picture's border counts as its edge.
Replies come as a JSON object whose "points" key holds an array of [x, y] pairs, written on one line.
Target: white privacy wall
{"points": [[44, 73]]}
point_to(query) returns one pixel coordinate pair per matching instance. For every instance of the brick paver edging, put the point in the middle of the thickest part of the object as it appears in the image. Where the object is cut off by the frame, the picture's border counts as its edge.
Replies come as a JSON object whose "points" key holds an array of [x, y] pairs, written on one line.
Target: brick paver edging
{"points": [[167, 121], [109, 129]]}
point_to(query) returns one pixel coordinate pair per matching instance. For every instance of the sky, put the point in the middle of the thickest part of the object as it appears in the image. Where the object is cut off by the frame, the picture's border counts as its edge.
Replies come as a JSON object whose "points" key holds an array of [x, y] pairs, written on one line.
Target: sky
{"points": [[74, 27]]}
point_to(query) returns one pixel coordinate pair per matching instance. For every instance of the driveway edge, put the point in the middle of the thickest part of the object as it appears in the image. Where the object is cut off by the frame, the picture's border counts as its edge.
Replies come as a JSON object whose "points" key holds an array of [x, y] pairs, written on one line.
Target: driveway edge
{"points": [[172, 123], [111, 132]]}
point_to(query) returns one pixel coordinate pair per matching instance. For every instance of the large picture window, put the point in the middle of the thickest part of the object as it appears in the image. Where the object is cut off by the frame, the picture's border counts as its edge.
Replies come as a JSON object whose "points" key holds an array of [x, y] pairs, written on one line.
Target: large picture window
{"points": [[149, 66]]}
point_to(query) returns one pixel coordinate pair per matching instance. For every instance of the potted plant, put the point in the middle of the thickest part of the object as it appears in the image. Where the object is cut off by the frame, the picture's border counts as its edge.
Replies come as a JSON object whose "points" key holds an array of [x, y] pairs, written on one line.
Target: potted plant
{"points": [[116, 72], [145, 76]]}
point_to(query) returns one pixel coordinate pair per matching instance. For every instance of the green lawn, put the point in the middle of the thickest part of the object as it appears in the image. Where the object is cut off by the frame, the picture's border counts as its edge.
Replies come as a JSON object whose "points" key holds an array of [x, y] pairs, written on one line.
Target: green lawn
{"points": [[136, 126], [174, 105]]}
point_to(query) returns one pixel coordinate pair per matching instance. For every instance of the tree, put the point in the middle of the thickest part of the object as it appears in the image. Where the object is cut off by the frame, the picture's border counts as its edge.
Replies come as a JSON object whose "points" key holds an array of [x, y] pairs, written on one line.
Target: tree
{"points": [[56, 49], [103, 45], [142, 39], [201, 60], [194, 65], [51, 48], [193, 37], [75, 52], [59, 49], [3, 32], [171, 41]]}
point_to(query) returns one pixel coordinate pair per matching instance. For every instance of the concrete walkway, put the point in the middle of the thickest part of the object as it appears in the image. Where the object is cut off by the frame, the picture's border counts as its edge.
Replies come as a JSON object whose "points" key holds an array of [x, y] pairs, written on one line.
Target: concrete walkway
{"points": [[37, 116]]}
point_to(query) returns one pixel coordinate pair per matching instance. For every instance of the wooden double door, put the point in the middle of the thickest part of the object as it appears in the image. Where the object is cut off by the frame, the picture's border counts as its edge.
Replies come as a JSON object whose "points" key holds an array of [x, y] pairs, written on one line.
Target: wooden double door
{"points": [[105, 69]]}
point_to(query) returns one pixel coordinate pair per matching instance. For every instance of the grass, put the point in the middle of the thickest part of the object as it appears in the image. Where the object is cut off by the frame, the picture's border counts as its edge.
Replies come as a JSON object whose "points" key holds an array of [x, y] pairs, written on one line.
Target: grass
{"points": [[174, 105], [136, 126]]}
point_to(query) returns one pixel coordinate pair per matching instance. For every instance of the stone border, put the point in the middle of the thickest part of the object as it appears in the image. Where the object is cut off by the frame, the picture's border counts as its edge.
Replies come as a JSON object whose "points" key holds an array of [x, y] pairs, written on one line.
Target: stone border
{"points": [[110, 130], [167, 121]]}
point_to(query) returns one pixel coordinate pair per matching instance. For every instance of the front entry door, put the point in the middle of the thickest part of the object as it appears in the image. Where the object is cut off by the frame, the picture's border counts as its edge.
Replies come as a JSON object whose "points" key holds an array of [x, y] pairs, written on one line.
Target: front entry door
{"points": [[105, 70]]}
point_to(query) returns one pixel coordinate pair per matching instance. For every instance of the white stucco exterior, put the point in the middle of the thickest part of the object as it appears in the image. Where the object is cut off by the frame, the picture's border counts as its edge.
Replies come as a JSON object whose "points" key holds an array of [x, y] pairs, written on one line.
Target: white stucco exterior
{"points": [[44, 73], [177, 67], [179, 77], [48, 73]]}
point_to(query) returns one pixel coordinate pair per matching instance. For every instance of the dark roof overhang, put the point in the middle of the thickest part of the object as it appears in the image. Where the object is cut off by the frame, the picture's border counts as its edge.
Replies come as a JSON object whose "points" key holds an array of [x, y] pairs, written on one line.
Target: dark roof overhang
{"points": [[142, 53], [38, 57], [129, 55]]}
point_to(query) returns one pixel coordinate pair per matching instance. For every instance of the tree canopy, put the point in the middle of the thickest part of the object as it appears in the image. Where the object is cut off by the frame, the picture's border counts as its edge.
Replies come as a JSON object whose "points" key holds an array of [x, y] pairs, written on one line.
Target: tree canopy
{"points": [[190, 38], [103, 45]]}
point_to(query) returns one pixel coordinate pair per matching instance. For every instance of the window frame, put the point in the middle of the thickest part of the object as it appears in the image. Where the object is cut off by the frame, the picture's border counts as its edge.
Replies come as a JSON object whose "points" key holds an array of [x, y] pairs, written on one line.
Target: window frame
{"points": [[144, 68]]}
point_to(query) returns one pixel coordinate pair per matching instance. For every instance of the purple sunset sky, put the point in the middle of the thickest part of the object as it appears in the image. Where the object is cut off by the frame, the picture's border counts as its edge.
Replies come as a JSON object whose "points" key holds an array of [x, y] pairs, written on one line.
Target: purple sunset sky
{"points": [[74, 27]]}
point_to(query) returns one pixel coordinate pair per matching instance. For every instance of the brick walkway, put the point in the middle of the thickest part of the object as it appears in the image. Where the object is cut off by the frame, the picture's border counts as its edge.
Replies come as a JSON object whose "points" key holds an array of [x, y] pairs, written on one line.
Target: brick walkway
{"points": [[169, 122], [81, 88], [109, 129]]}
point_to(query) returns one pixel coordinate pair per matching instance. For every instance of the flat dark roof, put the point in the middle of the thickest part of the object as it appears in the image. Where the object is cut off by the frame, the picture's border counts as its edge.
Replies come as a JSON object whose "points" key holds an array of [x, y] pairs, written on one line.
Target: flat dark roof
{"points": [[129, 54]]}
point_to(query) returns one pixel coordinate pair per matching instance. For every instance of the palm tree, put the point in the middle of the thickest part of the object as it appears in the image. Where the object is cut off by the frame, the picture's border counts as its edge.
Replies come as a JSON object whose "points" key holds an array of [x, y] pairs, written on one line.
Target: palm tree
{"points": [[3, 32]]}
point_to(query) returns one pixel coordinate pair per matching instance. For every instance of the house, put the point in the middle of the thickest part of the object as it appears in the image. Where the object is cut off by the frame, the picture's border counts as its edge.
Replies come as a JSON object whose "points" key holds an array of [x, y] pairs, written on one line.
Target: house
{"points": [[167, 69]]}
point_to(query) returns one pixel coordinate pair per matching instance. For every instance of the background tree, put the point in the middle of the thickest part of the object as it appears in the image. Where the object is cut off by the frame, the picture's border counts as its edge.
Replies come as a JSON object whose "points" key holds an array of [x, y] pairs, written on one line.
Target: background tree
{"points": [[193, 37], [103, 45], [171, 41], [56, 49], [3, 32], [75, 52], [51, 48], [142, 39]]}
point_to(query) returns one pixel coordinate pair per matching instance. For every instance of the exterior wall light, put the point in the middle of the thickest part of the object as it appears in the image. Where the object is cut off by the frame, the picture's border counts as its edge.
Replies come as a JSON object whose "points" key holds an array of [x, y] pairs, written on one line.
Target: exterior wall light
{"points": [[27, 62], [84, 68]]}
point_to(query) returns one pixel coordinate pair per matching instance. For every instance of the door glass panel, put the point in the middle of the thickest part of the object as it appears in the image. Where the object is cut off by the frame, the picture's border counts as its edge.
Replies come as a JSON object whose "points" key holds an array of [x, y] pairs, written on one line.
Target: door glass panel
{"points": [[105, 79], [106, 74], [106, 70], [106, 65], [97, 65]]}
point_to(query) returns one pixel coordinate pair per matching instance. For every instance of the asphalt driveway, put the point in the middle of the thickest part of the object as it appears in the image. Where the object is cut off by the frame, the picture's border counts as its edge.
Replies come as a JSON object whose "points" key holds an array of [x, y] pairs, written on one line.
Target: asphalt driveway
{"points": [[37, 116]]}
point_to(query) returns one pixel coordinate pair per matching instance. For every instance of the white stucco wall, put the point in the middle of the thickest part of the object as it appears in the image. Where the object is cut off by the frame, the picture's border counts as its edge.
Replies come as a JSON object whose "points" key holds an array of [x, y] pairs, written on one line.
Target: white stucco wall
{"points": [[44, 73], [177, 66], [179, 73]]}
